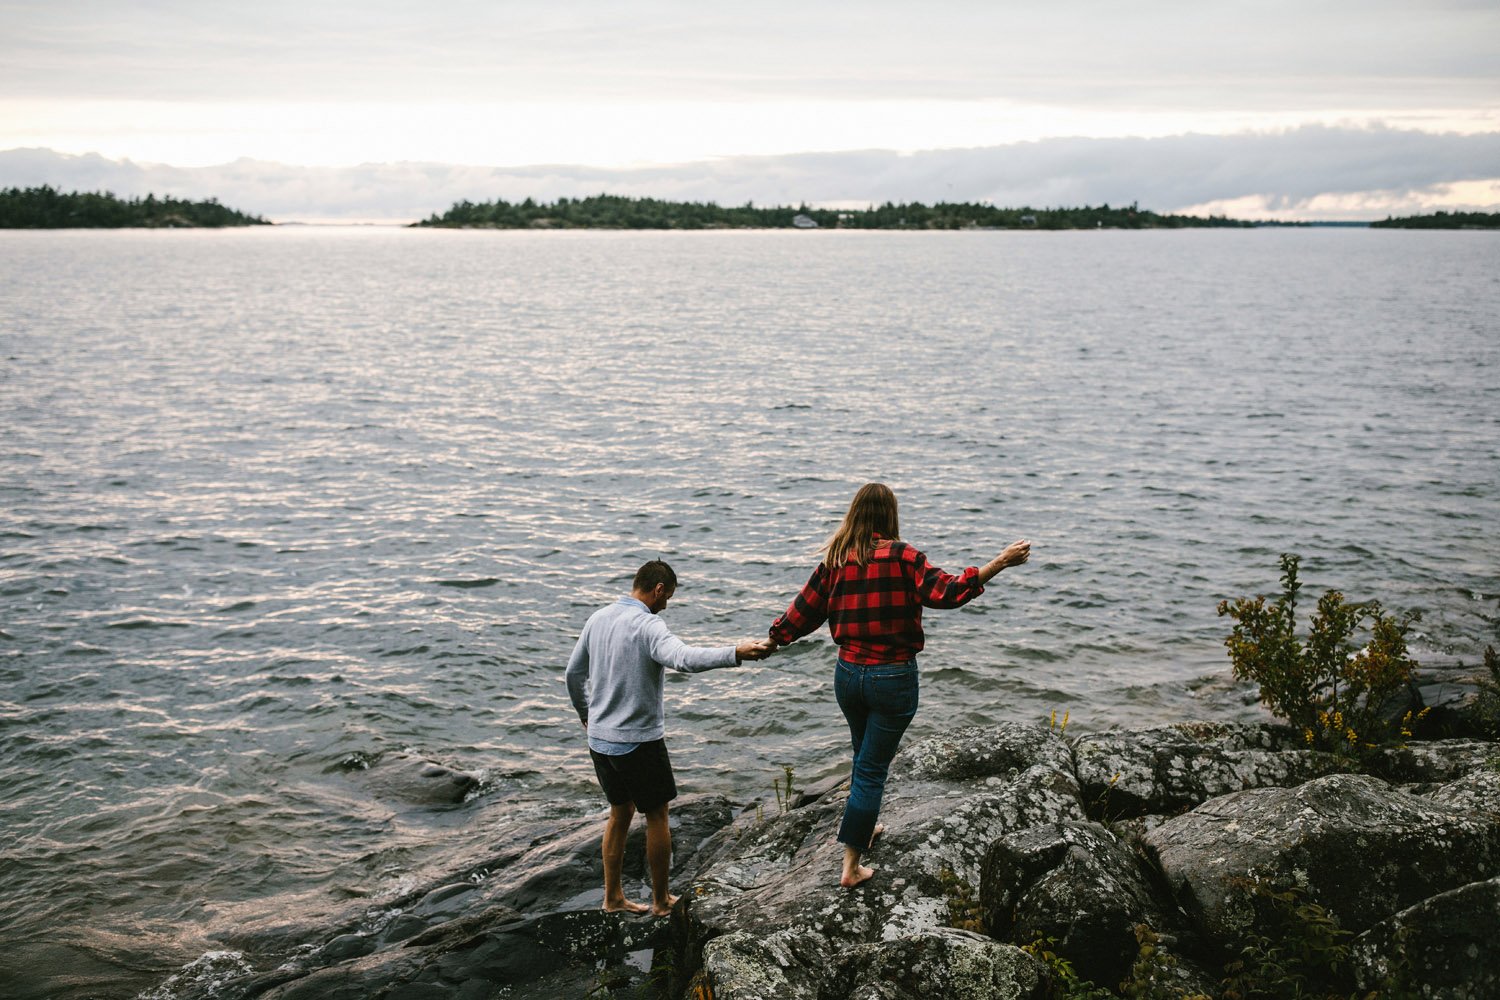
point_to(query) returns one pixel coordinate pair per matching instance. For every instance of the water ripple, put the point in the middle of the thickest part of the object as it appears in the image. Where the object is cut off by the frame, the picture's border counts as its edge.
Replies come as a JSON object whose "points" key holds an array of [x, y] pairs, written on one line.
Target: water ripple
{"points": [[263, 515]]}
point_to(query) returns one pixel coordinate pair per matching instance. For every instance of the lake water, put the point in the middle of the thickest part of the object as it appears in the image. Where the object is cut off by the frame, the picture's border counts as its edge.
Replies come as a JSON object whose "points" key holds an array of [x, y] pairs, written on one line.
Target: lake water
{"points": [[276, 502]]}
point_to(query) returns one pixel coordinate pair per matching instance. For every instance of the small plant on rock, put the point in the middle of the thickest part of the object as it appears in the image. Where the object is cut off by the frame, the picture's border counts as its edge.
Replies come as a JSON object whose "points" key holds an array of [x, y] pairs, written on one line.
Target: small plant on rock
{"points": [[1064, 982], [964, 911], [1155, 968], [783, 795], [1331, 687], [1487, 705]]}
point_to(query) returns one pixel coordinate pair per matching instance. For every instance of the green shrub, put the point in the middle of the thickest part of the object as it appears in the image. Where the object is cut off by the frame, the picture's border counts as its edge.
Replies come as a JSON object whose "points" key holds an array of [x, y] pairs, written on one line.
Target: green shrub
{"points": [[1330, 686], [1300, 951]]}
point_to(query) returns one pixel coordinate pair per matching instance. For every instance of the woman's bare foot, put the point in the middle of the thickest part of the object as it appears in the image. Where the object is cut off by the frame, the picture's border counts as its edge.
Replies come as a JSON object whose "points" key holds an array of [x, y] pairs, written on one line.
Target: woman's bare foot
{"points": [[661, 911], [879, 829], [850, 879], [624, 906]]}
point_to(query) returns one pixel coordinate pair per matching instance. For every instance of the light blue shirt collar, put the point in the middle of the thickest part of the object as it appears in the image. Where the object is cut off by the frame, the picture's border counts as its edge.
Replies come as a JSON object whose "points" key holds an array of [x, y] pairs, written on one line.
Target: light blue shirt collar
{"points": [[637, 602]]}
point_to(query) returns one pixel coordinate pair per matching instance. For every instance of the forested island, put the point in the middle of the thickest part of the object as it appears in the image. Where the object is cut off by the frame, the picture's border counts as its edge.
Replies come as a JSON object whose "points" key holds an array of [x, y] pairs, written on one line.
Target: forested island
{"points": [[616, 212], [47, 208], [1442, 220]]}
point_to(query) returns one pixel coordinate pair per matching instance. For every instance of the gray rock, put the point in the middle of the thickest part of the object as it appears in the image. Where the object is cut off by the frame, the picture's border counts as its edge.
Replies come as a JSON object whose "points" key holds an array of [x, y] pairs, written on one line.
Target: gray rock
{"points": [[1360, 848], [534, 957], [414, 779], [993, 816], [444, 900], [1434, 761], [812, 793], [776, 883], [525, 921], [1170, 768], [1077, 884], [785, 965], [786, 870], [467, 926], [798, 965], [946, 962], [566, 871], [1478, 791], [351, 980], [404, 926], [348, 946], [1448, 945], [979, 752]]}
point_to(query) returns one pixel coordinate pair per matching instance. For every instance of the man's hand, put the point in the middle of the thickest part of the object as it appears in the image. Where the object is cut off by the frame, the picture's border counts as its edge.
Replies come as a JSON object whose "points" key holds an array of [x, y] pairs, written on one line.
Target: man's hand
{"points": [[754, 649]]}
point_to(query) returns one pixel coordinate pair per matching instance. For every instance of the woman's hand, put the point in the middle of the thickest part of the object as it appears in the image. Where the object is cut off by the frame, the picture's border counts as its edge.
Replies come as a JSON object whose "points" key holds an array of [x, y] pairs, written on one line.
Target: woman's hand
{"points": [[1014, 555]]}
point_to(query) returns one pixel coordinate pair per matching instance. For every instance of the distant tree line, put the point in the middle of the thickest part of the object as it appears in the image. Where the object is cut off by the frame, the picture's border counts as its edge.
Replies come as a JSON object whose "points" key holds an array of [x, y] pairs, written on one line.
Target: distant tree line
{"points": [[47, 208], [615, 212], [1442, 220]]}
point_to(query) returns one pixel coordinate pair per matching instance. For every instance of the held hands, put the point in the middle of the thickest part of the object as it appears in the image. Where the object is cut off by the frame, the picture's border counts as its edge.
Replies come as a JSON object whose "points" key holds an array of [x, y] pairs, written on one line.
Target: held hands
{"points": [[754, 649]]}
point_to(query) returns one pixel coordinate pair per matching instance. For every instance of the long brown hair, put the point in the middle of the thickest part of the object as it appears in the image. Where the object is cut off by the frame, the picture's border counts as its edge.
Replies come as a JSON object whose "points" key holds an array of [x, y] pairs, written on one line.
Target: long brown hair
{"points": [[872, 511]]}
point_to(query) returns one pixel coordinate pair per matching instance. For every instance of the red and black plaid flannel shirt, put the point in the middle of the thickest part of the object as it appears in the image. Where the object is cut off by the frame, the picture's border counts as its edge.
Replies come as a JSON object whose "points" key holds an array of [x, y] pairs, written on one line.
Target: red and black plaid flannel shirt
{"points": [[875, 611]]}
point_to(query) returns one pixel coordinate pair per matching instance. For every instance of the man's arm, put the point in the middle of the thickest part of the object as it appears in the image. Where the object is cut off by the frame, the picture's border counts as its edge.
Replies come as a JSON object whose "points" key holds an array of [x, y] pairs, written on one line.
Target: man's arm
{"points": [[674, 654], [578, 676]]}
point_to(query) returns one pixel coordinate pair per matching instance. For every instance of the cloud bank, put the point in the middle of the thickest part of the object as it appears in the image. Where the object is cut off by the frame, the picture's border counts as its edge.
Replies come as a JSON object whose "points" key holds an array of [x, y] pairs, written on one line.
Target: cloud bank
{"points": [[1350, 54], [1311, 172]]}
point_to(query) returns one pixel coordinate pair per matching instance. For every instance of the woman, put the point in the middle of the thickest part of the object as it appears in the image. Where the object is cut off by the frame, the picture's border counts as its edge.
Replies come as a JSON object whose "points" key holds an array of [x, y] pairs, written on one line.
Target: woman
{"points": [[871, 588]]}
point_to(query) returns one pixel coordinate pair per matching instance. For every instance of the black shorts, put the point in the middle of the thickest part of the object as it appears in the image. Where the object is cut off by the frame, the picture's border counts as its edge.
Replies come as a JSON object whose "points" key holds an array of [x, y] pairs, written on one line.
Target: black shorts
{"points": [[643, 776]]}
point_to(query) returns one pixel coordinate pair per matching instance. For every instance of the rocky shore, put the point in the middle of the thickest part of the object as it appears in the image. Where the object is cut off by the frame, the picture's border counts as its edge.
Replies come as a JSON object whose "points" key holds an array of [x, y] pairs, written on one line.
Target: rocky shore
{"points": [[1186, 860]]}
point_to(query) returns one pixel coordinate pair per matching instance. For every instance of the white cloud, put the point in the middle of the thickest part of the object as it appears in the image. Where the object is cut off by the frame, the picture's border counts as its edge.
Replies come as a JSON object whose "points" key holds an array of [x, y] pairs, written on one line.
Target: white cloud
{"points": [[1464, 196], [1311, 172], [609, 135]]}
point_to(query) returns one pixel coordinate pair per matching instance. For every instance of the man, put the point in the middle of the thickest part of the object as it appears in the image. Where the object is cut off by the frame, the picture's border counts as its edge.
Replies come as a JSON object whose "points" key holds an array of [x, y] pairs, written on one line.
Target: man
{"points": [[615, 681]]}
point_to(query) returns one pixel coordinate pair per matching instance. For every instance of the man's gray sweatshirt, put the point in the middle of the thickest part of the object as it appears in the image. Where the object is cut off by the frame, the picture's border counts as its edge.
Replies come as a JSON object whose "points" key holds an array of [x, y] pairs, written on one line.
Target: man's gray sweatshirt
{"points": [[615, 672]]}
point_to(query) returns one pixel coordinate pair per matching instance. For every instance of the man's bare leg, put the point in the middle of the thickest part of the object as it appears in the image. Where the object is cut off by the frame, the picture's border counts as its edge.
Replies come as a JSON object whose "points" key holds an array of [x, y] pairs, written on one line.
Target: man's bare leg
{"points": [[616, 829], [659, 859]]}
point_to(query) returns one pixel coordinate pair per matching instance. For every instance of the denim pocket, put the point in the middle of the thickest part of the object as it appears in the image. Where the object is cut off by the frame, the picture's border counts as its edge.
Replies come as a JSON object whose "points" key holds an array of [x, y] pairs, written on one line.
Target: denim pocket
{"points": [[894, 694]]}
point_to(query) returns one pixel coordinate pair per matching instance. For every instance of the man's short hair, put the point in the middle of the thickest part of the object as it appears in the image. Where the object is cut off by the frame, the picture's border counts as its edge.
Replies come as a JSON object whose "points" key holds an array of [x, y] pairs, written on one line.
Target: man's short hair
{"points": [[654, 572]]}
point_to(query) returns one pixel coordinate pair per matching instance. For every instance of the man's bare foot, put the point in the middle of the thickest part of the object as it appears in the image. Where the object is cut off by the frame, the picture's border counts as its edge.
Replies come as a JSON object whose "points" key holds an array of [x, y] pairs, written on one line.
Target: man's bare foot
{"points": [[860, 874], [879, 829], [658, 910], [624, 906]]}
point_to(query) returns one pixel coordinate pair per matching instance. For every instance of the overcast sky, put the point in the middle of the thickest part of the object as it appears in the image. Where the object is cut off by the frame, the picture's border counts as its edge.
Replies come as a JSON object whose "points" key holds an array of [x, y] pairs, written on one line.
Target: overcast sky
{"points": [[686, 96]]}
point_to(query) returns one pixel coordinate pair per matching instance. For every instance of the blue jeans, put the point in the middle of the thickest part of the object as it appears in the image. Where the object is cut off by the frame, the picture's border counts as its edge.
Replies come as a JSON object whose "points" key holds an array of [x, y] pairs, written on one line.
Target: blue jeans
{"points": [[878, 702]]}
